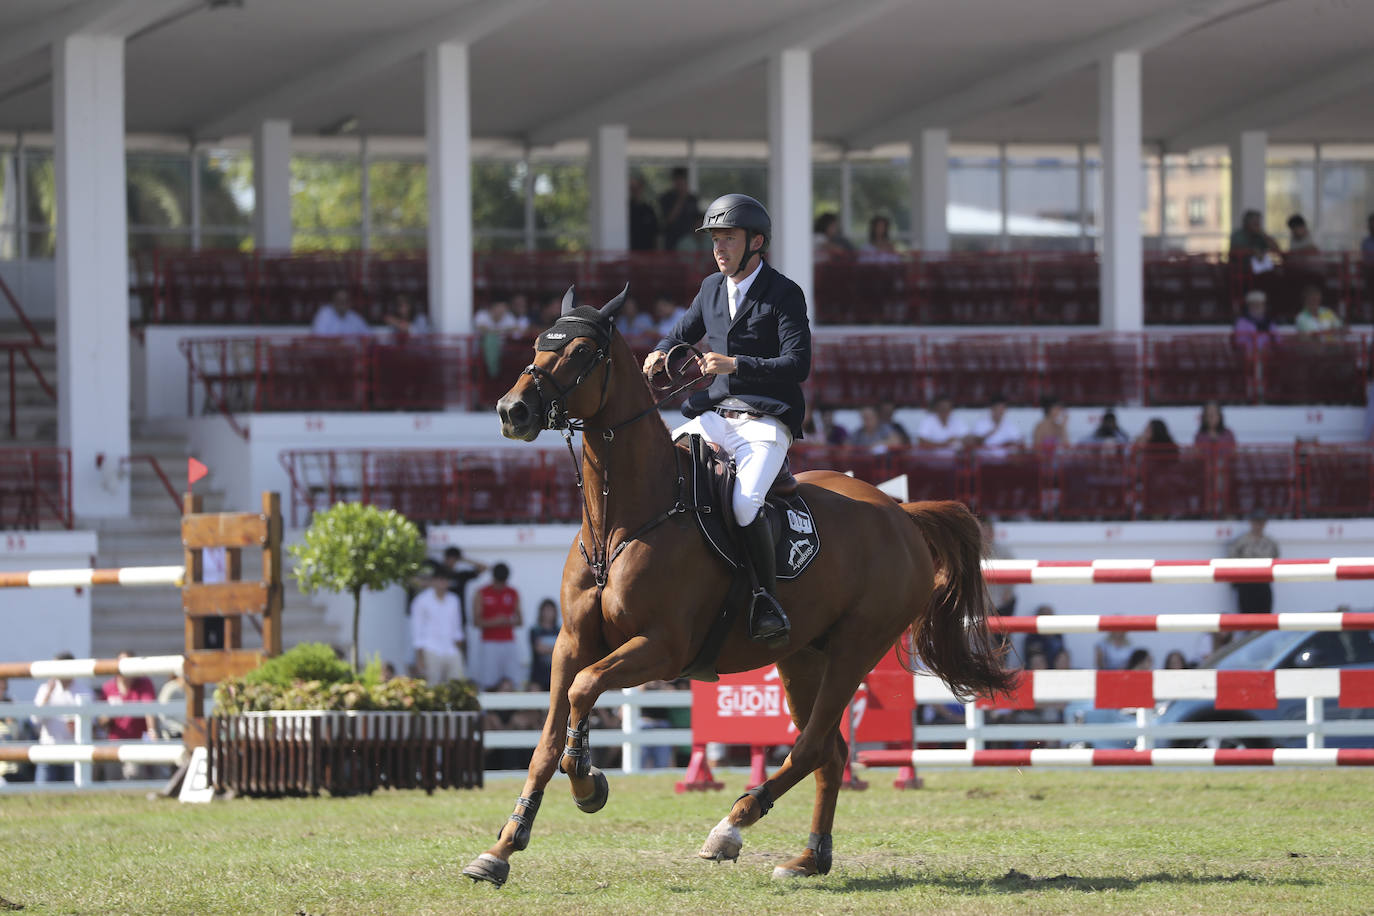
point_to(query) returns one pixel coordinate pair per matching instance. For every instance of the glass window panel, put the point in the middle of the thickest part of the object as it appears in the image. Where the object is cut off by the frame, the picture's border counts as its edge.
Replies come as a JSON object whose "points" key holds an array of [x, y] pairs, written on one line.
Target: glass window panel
{"points": [[1042, 200], [825, 190], [159, 191], [498, 204], [561, 204], [881, 189], [326, 203], [398, 194], [1197, 200], [1289, 188], [1347, 202], [227, 199], [40, 180], [9, 205]]}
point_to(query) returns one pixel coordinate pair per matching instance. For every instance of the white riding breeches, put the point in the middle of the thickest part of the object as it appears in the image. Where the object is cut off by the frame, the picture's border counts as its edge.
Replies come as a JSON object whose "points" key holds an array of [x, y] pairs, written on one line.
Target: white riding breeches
{"points": [[758, 445]]}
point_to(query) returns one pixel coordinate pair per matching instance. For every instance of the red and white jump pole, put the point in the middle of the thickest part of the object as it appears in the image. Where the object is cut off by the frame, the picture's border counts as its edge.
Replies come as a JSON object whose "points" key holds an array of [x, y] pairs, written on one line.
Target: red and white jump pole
{"points": [[1184, 757], [82, 578], [1177, 572]]}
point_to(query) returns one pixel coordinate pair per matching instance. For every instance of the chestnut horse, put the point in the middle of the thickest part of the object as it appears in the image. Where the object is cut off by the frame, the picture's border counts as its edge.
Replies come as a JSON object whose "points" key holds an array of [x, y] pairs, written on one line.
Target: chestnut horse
{"points": [[886, 569]]}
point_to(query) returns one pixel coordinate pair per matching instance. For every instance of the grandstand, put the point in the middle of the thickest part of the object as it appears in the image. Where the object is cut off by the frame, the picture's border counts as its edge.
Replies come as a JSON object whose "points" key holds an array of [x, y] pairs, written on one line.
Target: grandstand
{"points": [[184, 184]]}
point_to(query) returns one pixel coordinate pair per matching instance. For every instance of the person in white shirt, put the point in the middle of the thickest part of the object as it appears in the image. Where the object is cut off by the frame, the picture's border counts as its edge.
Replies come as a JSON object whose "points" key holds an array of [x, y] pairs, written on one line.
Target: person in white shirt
{"points": [[996, 433], [436, 631], [337, 319], [940, 430], [58, 729]]}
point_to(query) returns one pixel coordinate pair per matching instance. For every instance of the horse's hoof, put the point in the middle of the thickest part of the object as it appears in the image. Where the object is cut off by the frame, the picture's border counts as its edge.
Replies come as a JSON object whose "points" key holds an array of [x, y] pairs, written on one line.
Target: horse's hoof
{"points": [[487, 867], [723, 843], [601, 790]]}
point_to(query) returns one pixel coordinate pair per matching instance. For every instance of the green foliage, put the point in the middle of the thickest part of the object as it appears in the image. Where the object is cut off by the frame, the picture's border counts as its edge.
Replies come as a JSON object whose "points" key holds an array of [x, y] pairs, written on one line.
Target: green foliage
{"points": [[308, 661], [400, 694]]}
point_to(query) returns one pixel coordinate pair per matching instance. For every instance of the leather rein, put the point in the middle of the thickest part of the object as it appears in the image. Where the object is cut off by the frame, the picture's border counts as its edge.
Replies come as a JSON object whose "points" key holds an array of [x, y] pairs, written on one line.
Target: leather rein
{"points": [[554, 411]]}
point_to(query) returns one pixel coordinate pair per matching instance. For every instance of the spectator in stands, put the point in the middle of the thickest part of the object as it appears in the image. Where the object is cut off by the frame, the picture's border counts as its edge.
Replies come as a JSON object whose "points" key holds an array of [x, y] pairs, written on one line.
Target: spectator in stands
{"points": [[1254, 330], [1251, 241], [829, 240], [460, 573], [404, 320], [1062, 660], [1303, 256], [498, 319], [680, 211], [1052, 431], [1140, 660], [632, 321], [436, 629], [498, 616], [543, 635], [1108, 432], [819, 424], [879, 248], [1113, 652], [1316, 318], [58, 729], [996, 433], [666, 315], [940, 430], [1212, 435], [872, 433], [338, 319], [887, 415], [124, 689], [643, 219], [1156, 437], [1175, 661], [1254, 597], [1051, 644]]}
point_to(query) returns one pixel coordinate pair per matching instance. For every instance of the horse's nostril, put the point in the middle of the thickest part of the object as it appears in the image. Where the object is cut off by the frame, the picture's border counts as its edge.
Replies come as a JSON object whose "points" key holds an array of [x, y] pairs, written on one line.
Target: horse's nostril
{"points": [[517, 414]]}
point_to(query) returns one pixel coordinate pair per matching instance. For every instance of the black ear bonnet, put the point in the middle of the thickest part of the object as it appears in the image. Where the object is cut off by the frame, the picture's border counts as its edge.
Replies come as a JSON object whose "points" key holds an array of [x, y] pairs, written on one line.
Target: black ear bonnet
{"points": [[583, 321]]}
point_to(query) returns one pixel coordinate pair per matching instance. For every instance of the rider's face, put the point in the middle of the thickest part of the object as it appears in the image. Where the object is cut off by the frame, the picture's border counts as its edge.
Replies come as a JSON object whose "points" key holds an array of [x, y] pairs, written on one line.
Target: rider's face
{"points": [[728, 247]]}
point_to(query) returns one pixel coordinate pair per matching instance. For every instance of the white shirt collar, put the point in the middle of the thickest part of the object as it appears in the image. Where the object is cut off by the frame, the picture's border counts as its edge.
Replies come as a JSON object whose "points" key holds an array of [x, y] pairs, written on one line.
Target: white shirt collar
{"points": [[742, 287]]}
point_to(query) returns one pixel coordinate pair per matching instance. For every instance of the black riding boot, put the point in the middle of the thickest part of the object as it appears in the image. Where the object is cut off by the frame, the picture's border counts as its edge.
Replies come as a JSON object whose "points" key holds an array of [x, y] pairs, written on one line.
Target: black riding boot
{"points": [[767, 622]]}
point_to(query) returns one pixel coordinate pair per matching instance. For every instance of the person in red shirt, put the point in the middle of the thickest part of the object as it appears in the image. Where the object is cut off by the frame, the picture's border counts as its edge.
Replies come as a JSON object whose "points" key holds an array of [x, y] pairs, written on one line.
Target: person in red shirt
{"points": [[125, 689], [498, 616]]}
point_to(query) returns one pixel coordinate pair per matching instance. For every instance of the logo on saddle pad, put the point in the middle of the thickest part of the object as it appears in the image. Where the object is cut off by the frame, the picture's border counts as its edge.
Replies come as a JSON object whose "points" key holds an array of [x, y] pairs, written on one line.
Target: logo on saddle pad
{"points": [[802, 551], [799, 522]]}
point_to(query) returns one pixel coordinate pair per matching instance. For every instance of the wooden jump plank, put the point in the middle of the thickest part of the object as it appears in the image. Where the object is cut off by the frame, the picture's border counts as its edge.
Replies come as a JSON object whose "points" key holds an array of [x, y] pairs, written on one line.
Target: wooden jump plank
{"points": [[224, 599], [223, 529]]}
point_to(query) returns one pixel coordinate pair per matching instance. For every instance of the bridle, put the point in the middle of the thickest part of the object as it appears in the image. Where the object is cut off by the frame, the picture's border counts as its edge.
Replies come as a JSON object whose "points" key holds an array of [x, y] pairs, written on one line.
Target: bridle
{"points": [[554, 411]]}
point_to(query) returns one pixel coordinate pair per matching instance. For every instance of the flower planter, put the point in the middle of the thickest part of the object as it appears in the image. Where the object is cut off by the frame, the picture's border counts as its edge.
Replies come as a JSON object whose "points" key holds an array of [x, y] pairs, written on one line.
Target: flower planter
{"points": [[273, 754]]}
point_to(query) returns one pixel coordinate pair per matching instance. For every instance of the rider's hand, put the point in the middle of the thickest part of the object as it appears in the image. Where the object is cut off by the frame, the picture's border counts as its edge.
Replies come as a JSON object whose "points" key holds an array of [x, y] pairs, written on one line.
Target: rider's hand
{"points": [[654, 362], [716, 364]]}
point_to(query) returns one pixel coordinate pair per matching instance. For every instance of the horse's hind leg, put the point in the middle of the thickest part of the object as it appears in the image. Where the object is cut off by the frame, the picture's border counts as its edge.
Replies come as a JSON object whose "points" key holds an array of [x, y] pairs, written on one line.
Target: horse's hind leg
{"points": [[815, 859], [636, 662]]}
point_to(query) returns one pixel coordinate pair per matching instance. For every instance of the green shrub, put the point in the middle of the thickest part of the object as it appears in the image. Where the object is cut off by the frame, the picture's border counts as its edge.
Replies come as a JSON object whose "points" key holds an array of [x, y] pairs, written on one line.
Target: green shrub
{"points": [[308, 661]]}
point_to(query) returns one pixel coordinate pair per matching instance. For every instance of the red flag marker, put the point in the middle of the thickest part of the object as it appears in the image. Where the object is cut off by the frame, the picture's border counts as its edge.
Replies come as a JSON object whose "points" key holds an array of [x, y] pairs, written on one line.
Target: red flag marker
{"points": [[194, 471]]}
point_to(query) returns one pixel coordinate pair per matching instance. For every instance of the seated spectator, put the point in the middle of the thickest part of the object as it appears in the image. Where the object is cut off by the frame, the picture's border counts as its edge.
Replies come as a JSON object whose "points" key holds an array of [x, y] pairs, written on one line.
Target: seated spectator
{"points": [[1107, 432], [497, 319], [1051, 645], [830, 243], [1303, 254], [1062, 660], [1141, 660], [887, 415], [667, 315], [1315, 318], [996, 433], [1254, 330], [940, 430], [124, 689], [880, 248], [1156, 438], [1053, 429], [404, 320], [543, 636], [821, 425], [337, 318], [872, 432], [632, 321], [1113, 652], [1252, 242], [1175, 661], [1212, 434]]}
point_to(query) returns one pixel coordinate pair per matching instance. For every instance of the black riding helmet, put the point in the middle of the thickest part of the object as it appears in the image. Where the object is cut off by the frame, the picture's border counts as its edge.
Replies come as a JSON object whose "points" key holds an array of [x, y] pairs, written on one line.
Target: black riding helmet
{"points": [[739, 211]]}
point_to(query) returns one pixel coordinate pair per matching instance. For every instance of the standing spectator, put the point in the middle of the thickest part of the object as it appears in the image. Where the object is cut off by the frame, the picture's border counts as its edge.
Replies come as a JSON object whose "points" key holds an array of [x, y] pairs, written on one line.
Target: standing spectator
{"points": [[880, 248], [1316, 318], [996, 432], [543, 636], [940, 429], [460, 574], [1212, 435], [498, 614], [1108, 432], [1113, 652], [117, 691], [404, 320], [436, 629], [58, 729], [679, 208], [1254, 597], [643, 219], [1052, 431], [338, 319], [1254, 330]]}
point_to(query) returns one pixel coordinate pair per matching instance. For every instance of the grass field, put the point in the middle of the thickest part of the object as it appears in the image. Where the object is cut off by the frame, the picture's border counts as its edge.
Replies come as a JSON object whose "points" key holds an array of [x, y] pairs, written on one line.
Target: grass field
{"points": [[990, 841]]}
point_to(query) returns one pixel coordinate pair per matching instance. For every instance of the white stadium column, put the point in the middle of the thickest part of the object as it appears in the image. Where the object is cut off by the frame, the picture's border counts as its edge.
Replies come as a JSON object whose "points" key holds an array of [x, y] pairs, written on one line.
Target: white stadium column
{"points": [[930, 189], [272, 184], [789, 167], [449, 157], [92, 269], [1249, 149], [1122, 277], [609, 180]]}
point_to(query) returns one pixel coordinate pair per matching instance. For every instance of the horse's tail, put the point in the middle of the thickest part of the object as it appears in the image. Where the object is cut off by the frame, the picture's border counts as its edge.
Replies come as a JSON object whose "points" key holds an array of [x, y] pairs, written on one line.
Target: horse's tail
{"points": [[950, 636]]}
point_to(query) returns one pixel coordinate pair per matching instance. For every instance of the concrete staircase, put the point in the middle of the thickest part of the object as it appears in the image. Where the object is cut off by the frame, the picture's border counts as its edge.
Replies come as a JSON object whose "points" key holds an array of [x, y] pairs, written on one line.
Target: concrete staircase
{"points": [[35, 409]]}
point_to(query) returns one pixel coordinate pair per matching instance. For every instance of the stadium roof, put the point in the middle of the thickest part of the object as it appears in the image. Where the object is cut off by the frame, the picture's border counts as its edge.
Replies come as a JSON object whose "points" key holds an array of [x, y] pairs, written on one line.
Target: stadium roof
{"points": [[545, 70]]}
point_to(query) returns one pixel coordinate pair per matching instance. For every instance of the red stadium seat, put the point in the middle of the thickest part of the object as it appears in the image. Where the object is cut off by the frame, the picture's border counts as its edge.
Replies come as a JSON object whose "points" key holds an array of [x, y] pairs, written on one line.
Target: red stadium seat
{"points": [[1091, 370], [1091, 482], [1007, 486], [1194, 368], [1257, 478], [1337, 481], [1065, 289], [974, 369], [1174, 483], [1299, 370]]}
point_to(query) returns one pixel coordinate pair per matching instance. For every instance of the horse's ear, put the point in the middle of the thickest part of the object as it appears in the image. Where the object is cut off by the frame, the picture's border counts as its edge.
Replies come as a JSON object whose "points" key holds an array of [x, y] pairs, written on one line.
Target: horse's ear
{"points": [[612, 308], [569, 300]]}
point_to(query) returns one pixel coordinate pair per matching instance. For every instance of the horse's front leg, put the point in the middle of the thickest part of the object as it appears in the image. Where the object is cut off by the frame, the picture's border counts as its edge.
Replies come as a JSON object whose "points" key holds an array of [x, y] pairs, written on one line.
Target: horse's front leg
{"points": [[494, 864], [638, 661]]}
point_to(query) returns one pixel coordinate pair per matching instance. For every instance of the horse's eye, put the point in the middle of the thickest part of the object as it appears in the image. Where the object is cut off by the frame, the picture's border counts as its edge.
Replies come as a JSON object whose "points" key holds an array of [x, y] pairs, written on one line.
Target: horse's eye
{"points": [[580, 350]]}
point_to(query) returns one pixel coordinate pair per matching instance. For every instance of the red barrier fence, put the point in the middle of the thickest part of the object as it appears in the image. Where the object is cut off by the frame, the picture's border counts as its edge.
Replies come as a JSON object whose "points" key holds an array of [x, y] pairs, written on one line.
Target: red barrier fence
{"points": [[518, 485], [984, 288], [35, 488]]}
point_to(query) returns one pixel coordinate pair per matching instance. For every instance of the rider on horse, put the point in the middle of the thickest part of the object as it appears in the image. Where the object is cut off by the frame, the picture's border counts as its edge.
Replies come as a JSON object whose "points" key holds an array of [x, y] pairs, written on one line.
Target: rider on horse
{"points": [[759, 350]]}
